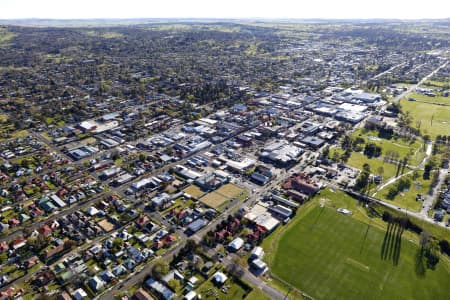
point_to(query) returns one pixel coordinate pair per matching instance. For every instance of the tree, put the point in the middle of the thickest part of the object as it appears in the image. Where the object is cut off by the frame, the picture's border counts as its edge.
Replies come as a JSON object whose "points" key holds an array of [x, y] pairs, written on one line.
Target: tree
{"points": [[3, 257], [174, 284], [424, 238], [326, 151], [70, 244], [372, 150], [335, 156], [117, 244], [363, 179], [198, 263], [160, 268]]}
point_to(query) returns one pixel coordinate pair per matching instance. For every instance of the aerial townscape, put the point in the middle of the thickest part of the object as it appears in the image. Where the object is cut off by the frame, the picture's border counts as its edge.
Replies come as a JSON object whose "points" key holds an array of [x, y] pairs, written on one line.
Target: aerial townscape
{"points": [[224, 159]]}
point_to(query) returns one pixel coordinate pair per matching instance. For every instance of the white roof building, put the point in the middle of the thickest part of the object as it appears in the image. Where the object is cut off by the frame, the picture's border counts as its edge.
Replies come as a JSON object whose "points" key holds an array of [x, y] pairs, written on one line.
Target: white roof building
{"points": [[236, 244], [190, 296], [257, 252], [79, 294], [220, 278]]}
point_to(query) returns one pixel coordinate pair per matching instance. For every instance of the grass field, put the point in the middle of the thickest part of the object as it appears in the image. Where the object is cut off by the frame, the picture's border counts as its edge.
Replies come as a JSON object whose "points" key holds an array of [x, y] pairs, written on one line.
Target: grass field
{"points": [[357, 160], [424, 112], [229, 190], [213, 199], [401, 146], [5, 36], [425, 98], [407, 199], [257, 294], [435, 83], [333, 256], [218, 197]]}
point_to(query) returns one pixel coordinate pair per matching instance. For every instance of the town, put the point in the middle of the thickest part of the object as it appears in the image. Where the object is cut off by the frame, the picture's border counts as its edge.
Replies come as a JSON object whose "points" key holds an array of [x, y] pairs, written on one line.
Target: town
{"points": [[224, 160]]}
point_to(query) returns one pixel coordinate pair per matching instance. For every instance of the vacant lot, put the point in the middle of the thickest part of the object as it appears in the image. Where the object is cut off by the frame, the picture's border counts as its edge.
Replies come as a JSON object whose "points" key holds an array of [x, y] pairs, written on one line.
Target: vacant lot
{"points": [[194, 191], [106, 225], [434, 119], [229, 190], [329, 255], [213, 199]]}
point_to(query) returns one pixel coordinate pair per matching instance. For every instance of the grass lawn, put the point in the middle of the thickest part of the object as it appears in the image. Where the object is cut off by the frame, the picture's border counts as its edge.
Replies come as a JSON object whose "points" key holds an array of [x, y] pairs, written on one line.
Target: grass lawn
{"points": [[209, 291], [439, 84], [257, 294], [329, 255], [19, 134], [229, 190], [407, 199], [357, 160], [425, 98], [401, 146], [424, 112], [194, 191], [213, 199]]}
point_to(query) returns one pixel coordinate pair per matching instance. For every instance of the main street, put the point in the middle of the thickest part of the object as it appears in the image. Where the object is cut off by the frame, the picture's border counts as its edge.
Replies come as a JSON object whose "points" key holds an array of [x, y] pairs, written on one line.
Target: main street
{"points": [[412, 88]]}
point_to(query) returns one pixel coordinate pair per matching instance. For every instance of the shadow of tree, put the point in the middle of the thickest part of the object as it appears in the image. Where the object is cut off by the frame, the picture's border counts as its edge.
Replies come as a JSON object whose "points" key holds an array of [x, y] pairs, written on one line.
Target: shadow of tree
{"points": [[313, 224], [419, 263], [391, 247], [397, 246], [385, 240]]}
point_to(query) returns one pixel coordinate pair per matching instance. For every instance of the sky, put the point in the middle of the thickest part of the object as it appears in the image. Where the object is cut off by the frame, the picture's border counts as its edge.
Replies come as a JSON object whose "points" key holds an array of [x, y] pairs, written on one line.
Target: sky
{"points": [[336, 9]]}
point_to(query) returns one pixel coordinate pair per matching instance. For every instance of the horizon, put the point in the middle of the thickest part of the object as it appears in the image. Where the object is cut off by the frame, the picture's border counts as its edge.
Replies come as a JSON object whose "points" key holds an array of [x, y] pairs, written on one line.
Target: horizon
{"points": [[231, 9]]}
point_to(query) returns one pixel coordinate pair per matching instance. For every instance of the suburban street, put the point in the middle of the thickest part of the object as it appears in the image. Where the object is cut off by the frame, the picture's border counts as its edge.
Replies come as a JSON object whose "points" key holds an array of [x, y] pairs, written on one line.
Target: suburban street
{"points": [[412, 88]]}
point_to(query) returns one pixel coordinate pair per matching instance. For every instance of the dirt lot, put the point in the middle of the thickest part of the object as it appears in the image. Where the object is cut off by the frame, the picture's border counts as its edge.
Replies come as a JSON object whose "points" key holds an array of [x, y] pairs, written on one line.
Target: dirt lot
{"points": [[105, 225]]}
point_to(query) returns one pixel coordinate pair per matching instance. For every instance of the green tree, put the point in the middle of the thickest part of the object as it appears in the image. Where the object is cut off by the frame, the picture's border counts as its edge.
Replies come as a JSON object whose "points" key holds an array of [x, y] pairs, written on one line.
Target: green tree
{"points": [[174, 284], [160, 268], [3, 257]]}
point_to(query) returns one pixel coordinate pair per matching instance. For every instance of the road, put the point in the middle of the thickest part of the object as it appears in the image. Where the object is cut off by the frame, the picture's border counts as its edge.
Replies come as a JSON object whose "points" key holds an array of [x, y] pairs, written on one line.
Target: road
{"points": [[414, 87], [399, 209], [248, 276], [140, 275], [429, 199], [387, 71], [58, 215]]}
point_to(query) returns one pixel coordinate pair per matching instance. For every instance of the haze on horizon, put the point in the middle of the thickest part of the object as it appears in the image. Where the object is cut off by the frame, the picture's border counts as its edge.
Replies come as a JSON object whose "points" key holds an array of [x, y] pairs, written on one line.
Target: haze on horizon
{"points": [[324, 9]]}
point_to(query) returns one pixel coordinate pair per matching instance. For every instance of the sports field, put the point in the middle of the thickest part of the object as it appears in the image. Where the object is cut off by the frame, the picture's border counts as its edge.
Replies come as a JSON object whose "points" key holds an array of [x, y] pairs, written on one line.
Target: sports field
{"points": [[213, 199], [194, 191], [230, 190], [218, 197], [329, 255], [435, 119]]}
